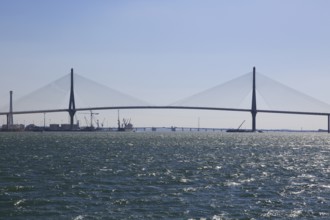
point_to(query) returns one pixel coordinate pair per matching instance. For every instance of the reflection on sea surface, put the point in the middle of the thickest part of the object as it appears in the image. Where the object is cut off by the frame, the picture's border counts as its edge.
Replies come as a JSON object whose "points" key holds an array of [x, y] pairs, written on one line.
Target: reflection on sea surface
{"points": [[164, 175]]}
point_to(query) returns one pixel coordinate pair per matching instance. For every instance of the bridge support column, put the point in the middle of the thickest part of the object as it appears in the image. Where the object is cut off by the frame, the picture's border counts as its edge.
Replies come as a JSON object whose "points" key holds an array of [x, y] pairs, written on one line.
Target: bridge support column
{"points": [[254, 124], [10, 117], [72, 105], [328, 123], [8, 121], [254, 102]]}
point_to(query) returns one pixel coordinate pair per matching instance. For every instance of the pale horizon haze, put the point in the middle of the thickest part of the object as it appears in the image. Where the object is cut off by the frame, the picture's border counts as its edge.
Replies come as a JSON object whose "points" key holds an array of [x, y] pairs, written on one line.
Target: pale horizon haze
{"points": [[163, 51]]}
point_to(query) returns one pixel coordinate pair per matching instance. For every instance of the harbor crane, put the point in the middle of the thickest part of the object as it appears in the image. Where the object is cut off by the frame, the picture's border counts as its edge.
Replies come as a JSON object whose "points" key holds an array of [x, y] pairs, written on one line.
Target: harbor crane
{"points": [[91, 118]]}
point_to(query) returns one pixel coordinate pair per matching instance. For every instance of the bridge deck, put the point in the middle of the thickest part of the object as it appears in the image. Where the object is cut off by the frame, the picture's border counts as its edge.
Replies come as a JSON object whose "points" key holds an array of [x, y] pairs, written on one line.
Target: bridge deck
{"points": [[166, 107]]}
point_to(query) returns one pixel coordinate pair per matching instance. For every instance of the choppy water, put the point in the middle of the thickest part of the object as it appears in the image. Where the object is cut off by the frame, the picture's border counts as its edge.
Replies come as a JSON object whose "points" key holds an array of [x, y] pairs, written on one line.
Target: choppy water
{"points": [[164, 176]]}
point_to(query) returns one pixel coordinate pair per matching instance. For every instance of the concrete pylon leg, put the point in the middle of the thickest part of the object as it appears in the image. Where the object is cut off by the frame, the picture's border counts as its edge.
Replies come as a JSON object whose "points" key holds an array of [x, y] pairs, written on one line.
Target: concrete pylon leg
{"points": [[254, 123], [328, 123], [254, 102], [72, 104]]}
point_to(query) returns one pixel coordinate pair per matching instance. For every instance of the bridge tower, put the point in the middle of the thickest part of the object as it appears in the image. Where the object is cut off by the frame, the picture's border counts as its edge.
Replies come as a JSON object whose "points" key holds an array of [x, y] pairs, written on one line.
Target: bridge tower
{"points": [[254, 101], [72, 105], [328, 123], [10, 118]]}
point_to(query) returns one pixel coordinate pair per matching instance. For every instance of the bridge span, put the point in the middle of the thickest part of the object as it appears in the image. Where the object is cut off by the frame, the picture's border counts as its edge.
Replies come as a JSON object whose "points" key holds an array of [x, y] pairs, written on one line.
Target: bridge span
{"points": [[72, 108], [170, 107]]}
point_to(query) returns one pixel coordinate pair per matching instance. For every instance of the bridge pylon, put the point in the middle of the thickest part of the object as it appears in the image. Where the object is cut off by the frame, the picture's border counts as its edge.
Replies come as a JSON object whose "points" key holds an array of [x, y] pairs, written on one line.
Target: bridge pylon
{"points": [[329, 123], [72, 104], [254, 101], [10, 118]]}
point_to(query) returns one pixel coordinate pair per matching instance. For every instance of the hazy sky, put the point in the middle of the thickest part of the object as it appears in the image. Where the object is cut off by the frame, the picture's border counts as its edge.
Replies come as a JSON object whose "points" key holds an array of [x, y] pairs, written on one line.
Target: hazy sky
{"points": [[161, 51]]}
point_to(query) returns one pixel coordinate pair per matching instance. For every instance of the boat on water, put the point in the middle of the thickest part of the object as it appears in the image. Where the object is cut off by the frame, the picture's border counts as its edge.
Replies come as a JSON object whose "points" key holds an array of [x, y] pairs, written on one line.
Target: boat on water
{"points": [[242, 131], [125, 125], [239, 130]]}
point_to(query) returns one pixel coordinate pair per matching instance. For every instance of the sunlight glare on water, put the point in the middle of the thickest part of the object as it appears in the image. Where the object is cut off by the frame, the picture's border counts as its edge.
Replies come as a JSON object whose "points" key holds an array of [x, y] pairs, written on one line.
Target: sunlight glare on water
{"points": [[164, 175]]}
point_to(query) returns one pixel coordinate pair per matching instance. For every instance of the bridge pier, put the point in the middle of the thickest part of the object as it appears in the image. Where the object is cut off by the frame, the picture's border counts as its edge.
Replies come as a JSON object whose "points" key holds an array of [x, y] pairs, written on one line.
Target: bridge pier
{"points": [[8, 121], [254, 102], [254, 124], [10, 117], [328, 123], [72, 104]]}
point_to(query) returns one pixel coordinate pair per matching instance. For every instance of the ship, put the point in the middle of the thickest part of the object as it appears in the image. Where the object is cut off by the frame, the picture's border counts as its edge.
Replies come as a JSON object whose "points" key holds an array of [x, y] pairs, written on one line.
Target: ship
{"points": [[241, 130], [238, 129], [126, 125]]}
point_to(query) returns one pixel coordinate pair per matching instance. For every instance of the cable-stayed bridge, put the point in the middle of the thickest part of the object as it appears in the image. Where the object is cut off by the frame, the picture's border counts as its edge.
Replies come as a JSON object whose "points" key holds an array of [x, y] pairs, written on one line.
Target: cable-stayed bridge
{"points": [[252, 92]]}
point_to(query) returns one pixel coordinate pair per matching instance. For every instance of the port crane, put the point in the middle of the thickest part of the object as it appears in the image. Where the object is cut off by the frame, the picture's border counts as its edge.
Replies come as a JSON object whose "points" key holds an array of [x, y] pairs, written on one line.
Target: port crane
{"points": [[126, 125], [91, 118]]}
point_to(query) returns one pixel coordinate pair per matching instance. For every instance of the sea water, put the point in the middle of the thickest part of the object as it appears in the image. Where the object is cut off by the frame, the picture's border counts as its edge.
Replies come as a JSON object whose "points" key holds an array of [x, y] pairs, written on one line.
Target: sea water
{"points": [[209, 175]]}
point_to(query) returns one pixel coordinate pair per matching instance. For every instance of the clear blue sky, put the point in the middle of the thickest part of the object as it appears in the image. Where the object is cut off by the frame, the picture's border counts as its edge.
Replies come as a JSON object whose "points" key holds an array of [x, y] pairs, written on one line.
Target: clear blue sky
{"points": [[162, 51]]}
